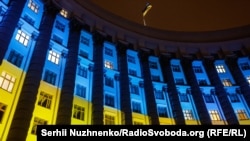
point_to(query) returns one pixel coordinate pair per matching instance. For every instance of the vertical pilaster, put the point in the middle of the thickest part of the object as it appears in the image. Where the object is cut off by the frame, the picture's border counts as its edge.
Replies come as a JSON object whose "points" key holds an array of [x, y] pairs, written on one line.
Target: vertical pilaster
{"points": [[26, 103]]}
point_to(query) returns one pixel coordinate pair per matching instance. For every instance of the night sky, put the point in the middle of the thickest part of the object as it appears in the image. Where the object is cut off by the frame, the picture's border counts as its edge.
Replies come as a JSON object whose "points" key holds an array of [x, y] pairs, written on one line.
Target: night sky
{"points": [[183, 15]]}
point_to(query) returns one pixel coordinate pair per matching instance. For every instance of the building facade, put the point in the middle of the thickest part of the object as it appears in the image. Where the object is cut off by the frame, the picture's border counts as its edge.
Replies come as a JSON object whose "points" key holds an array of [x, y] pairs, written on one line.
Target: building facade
{"points": [[57, 67]]}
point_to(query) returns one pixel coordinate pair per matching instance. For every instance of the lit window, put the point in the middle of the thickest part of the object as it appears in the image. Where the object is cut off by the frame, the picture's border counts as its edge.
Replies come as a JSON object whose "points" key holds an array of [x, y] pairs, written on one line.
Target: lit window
{"points": [[108, 51], [33, 6], [80, 90], [214, 115], [64, 13], [220, 69], [78, 112], [82, 71], [15, 58], [159, 94], [136, 107], [37, 121], [162, 111], [131, 59], [109, 100], [108, 64], [7, 81], [54, 57], [248, 79], [153, 65], [188, 115], [109, 120], [227, 82], [50, 77], [242, 115], [2, 111], [45, 100], [22, 37]]}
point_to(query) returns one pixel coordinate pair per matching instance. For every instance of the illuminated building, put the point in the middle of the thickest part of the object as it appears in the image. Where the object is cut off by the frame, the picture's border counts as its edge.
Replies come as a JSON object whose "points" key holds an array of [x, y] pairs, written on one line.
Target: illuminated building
{"points": [[60, 68]]}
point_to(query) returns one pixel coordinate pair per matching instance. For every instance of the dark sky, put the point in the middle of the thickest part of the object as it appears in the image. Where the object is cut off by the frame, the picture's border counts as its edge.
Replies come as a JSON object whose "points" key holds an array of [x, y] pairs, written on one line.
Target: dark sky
{"points": [[183, 15]]}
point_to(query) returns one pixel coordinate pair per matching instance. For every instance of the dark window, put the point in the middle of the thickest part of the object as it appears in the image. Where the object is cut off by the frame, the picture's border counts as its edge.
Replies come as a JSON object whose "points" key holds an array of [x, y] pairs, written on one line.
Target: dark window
{"points": [[50, 77], [15, 58], [109, 100]]}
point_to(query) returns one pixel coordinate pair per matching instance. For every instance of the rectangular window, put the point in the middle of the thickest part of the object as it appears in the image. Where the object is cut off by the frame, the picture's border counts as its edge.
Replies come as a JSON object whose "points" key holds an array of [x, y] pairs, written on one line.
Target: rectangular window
{"points": [[234, 98], [155, 78], [183, 97], [188, 115], [2, 111], [7, 81], [109, 100], [137, 123], [179, 81], [60, 26], [57, 39], [197, 69], [214, 115], [53, 57], [108, 64], [80, 90], [134, 89], [242, 115], [22, 37], [109, 120], [45, 100], [226, 82], [83, 54], [64, 13], [33, 6], [162, 111], [84, 41], [136, 107], [15, 58], [220, 69], [153, 65], [132, 72], [50, 77], [78, 112], [109, 82], [245, 66], [176, 68], [108, 51], [208, 98], [29, 20], [82, 71], [37, 121], [159, 94], [202, 82], [131, 59]]}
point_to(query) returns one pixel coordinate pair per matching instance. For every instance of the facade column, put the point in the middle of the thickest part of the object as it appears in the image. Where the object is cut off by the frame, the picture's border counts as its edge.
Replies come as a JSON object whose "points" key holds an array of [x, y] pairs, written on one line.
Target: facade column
{"points": [[67, 93], [24, 110], [98, 77], [239, 78], [148, 87], [196, 92], [9, 23], [172, 91], [124, 85], [220, 92]]}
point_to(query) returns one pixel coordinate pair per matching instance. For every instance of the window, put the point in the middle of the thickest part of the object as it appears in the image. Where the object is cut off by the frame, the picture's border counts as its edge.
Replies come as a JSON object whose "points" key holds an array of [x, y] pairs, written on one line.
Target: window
{"points": [[214, 115], [136, 107], [33, 6], [153, 65], [197, 69], [208, 98], [64, 13], [2, 12], [15, 58], [162, 111], [159, 94], [132, 72], [242, 115], [109, 120], [202, 82], [109, 100], [108, 51], [83, 54], [22, 37], [155, 78], [84, 41], [50, 77], [82, 71], [108, 64], [245, 66], [188, 115], [80, 90], [183, 97], [60, 26], [7, 81], [234, 98], [37, 121], [2, 111], [226, 82], [57, 39], [78, 112], [248, 79], [131, 59], [109, 82], [179, 81], [176, 68], [138, 123], [45, 100], [134, 89], [220, 69], [54, 57], [28, 19]]}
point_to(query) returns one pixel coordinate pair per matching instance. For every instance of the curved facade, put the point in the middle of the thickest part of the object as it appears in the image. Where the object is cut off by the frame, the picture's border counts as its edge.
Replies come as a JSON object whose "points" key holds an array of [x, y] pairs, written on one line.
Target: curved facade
{"points": [[64, 63]]}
